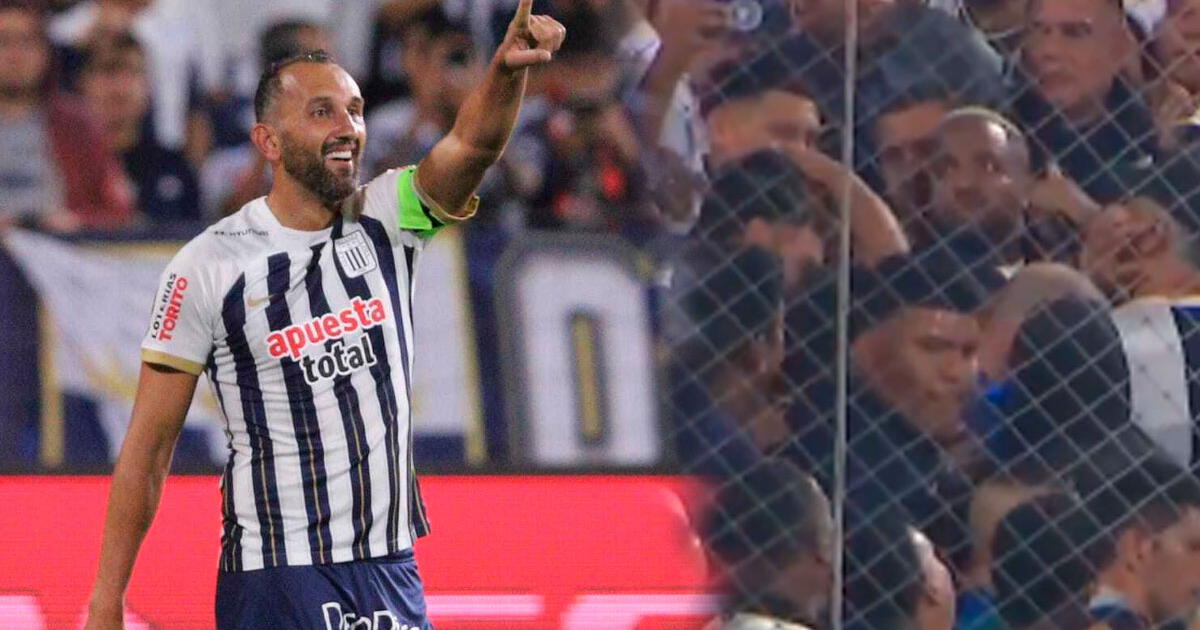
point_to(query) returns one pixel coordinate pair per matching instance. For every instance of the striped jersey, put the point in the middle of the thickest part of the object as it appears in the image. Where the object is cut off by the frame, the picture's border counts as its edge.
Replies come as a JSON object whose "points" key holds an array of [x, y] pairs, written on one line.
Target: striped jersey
{"points": [[1161, 343], [306, 341]]}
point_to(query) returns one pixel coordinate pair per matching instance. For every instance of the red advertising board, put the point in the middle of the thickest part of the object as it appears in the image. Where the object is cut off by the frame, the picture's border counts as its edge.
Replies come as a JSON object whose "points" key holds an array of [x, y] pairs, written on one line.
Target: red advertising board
{"points": [[506, 552]]}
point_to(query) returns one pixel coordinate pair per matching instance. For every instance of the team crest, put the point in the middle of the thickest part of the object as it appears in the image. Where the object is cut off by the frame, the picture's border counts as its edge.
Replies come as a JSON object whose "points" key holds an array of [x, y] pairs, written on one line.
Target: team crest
{"points": [[355, 254]]}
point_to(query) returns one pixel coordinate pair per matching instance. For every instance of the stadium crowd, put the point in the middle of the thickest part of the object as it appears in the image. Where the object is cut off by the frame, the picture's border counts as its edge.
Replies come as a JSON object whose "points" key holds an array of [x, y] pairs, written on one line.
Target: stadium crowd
{"points": [[1020, 198]]}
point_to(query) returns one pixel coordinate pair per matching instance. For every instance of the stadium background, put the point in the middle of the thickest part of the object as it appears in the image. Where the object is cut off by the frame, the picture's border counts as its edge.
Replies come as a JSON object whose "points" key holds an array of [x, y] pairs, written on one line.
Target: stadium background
{"points": [[561, 408]]}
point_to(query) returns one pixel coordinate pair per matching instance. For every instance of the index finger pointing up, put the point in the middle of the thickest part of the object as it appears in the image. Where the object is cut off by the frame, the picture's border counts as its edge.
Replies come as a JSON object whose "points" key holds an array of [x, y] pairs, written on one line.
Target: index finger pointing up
{"points": [[524, 9]]}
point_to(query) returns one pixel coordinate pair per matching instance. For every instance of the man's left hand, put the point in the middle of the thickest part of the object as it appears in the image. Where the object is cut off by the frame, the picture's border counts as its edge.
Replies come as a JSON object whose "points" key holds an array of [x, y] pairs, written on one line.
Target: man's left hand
{"points": [[532, 40]]}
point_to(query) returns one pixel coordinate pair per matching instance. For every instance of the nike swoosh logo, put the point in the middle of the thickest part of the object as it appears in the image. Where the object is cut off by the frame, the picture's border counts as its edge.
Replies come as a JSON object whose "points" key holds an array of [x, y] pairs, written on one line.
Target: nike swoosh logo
{"points": [[257, 302]]}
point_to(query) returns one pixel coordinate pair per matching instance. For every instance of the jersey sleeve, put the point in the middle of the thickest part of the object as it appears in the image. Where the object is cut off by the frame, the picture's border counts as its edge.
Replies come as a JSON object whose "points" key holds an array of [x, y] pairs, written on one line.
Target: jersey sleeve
{"points": [[181, 333], [395, 199]]}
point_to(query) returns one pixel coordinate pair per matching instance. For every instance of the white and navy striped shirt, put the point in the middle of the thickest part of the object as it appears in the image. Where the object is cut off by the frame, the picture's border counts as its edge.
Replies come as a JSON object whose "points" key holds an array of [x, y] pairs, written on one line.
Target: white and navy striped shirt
{"points": [[1161, 343], [306, 339]]}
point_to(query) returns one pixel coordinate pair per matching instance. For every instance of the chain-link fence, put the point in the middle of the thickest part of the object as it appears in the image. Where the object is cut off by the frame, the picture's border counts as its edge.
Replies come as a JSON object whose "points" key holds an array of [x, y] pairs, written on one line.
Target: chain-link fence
{"points": [[933, 334]]}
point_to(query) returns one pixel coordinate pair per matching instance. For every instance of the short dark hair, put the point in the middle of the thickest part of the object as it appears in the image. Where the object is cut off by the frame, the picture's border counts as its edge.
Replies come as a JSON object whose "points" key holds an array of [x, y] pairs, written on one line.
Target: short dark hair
{"points": [[736, 80], [734, 300], [768, 512], [270, 84], [884, 576], [765, 184], [932, 279], [1038, 561]]}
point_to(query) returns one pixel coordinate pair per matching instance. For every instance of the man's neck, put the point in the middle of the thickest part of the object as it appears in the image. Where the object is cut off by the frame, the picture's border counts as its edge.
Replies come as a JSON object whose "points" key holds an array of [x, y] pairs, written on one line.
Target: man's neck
{"points": [[296, 207], [1124, 587]]}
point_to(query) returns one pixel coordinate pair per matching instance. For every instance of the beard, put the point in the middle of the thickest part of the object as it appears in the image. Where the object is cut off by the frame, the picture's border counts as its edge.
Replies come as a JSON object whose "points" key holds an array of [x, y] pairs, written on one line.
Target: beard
{"points": [[309, 169]]}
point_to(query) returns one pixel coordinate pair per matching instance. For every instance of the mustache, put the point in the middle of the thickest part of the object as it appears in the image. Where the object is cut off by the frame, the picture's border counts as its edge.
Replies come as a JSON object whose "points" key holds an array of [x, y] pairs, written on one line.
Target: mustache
{"points": [[338, 144]]}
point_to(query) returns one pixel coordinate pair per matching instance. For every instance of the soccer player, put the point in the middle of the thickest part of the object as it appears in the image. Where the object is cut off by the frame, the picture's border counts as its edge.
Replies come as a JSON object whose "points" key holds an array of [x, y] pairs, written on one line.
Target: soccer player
{"points": [[298, 309]]}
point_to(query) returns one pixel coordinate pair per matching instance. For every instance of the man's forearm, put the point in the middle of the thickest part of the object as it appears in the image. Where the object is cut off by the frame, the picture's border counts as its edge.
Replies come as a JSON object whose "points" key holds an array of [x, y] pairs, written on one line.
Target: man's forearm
{"points": [[488, 116], [137, 485], [484, 124], [876, 232]]}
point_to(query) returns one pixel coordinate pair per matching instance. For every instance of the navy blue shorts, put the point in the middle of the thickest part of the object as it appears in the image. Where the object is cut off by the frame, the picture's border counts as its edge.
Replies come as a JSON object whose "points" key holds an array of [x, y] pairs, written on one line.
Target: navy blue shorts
{"points": [[378, 594]]}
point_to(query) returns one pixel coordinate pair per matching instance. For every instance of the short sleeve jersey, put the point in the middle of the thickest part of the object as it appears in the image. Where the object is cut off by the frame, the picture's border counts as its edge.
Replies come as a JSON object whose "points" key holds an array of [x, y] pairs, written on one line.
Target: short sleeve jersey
{"points": [[306, 340]]}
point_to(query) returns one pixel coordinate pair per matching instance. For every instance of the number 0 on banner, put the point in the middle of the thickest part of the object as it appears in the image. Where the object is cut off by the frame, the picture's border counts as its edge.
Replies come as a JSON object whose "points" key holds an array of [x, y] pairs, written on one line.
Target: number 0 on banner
{"points": [[579, 362]]}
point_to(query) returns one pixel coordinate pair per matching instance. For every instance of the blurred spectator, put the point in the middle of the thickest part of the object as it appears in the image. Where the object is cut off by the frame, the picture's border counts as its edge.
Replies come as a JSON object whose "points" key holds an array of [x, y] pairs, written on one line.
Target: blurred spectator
{"points": [[982, 186], [1068, 393], [1141, 257], [755, 108], [1148, 558], [1031, 288], [594, 180], [441, 58], [994, 497], [1035, 287], [906, 49], [761, 200], [773, 534], [905, 135], [1040, 573], [115, 84], [914, 342], [236, 174], [1081, 106], [180, 39], [1137, 250], [55, 171], [724, 385], [1175, 43], [895, 580]]}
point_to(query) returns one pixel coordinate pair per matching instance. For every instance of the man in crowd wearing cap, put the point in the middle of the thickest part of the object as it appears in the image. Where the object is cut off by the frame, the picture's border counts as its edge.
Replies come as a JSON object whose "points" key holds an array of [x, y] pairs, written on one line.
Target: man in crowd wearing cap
{"points": [[772, 533]]}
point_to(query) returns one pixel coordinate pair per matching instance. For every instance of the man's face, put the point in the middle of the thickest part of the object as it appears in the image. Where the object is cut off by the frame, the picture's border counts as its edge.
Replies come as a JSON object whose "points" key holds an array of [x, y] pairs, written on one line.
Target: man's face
{"points": [[982, 179], [117, 88], [1173, 569], [319, 117], [1075, 49], [1178, 45], [776, 118], [924, 364], [907, 140], [24, 56]]}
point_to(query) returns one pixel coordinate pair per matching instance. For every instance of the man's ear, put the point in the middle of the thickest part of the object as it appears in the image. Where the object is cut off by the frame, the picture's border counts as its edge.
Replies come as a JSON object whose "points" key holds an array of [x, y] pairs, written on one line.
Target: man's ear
{"points": [[1132, 547], [266, 140]]}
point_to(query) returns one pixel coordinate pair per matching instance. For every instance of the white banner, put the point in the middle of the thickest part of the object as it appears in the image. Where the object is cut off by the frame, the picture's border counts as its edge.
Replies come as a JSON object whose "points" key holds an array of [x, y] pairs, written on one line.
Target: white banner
{"points": [[98, 299]]}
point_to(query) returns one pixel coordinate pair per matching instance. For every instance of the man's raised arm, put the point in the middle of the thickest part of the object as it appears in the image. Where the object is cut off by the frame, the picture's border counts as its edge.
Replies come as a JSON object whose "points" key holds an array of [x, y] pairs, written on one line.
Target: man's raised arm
{"points": [[451, 172], [163, 398]]}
